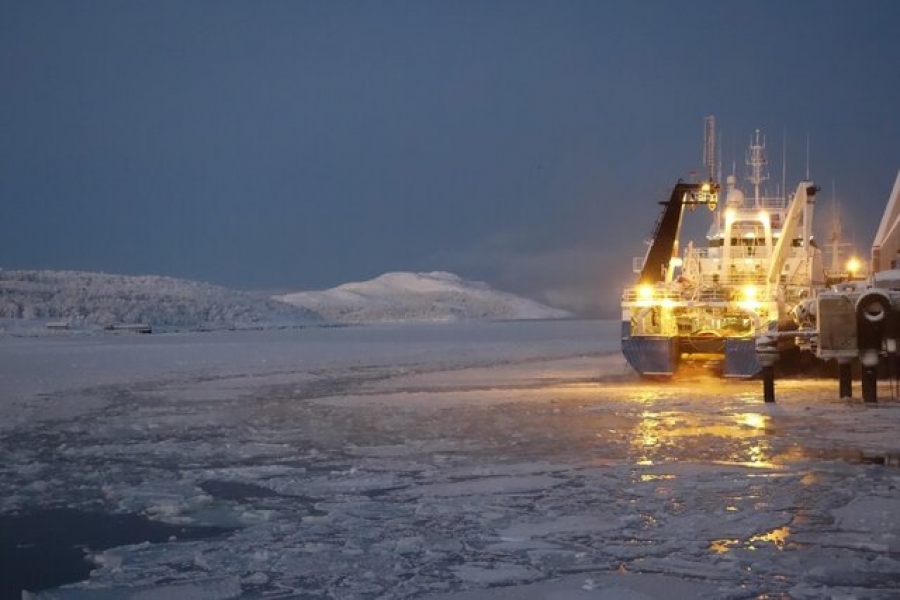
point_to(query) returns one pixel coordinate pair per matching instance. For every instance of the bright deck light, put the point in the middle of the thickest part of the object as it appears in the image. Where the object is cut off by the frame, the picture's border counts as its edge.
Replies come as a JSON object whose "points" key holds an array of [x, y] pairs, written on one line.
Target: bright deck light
{"points": [[853, 265], [749, 300]]}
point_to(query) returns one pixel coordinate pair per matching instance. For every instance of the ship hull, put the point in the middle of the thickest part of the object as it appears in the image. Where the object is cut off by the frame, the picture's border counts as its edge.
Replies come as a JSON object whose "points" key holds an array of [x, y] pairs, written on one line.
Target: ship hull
{"points": [[658, 355]]}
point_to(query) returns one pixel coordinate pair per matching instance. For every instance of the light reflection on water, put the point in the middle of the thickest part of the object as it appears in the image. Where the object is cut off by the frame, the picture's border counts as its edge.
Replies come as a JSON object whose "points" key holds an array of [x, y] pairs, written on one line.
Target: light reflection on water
{"points": [[723, 546], [777, 537], [655, 477], [658, 436], [752, 419], [715, 423]]}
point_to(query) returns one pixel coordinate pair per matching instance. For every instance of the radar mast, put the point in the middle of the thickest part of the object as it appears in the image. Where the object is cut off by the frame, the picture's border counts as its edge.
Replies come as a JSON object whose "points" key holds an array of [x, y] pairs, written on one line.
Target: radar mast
{"points": [[756, 160]]}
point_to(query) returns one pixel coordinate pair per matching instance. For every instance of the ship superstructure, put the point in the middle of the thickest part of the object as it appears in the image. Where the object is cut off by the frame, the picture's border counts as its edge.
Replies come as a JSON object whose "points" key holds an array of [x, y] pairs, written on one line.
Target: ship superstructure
{"points": [[709, 301]]}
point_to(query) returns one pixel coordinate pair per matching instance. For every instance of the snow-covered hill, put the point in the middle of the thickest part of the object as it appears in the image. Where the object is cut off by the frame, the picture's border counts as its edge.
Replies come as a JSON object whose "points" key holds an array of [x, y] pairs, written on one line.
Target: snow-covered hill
{"points": [[410, 297], [84, 299]]}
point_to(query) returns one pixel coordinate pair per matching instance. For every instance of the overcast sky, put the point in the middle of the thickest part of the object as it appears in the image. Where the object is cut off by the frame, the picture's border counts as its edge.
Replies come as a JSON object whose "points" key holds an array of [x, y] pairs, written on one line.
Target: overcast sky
{"points": [[299, 145]]}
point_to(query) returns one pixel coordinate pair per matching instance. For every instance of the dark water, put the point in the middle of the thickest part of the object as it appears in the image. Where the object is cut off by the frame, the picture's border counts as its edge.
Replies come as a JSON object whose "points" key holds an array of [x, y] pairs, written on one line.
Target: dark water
{"points": [[235, 490], [45, 549]]}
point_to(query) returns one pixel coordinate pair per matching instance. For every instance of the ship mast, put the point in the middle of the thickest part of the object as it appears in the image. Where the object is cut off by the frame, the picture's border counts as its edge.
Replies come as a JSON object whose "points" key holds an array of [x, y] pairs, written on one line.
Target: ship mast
{"points": [[835, 239], [709, 145], [756, 160]]}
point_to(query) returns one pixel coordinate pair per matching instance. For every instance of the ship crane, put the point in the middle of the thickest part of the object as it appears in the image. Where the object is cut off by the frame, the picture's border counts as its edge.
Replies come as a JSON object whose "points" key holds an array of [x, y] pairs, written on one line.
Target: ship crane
{"points": [[797, 215], [663, 248]]}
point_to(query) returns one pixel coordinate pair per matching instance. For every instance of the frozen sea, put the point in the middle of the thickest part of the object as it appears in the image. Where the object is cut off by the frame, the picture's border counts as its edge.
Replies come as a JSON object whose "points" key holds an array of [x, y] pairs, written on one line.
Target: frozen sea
{"points": [[480, 460]]}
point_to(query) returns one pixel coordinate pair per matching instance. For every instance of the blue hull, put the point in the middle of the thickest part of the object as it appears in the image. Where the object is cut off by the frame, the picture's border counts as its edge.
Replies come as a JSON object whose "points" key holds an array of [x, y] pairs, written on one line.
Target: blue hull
{"points": [[660, 355], [651, 355], [740, 358]]}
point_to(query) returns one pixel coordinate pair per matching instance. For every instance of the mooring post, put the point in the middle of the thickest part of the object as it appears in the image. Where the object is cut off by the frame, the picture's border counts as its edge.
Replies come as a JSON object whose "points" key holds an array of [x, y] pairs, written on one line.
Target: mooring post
{"points": [[870, 383], [768, 377], [767, 356], [845, 379], [869, 360]]}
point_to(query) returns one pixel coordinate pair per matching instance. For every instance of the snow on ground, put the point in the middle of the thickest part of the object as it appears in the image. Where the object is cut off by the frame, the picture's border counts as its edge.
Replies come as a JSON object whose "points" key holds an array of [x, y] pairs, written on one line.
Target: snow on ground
{"points": [[50, 302], [503, 460], [403, 297], [85, 300]]}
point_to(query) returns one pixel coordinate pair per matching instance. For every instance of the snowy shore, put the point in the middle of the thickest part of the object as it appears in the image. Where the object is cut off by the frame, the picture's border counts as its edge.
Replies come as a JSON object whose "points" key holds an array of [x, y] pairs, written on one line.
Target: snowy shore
{"points": [[36, 303], [504, 460]]}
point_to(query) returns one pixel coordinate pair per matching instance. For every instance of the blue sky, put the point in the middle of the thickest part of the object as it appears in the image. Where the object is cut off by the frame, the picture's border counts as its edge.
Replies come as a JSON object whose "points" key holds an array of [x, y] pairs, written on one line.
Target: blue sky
{"points": [[299, 145]]}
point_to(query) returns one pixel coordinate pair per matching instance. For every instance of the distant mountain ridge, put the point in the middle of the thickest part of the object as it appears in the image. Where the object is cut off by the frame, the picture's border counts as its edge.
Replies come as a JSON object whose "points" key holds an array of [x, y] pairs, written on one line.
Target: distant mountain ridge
{"points": [[418, 297], [89, 299], [30, 299]]}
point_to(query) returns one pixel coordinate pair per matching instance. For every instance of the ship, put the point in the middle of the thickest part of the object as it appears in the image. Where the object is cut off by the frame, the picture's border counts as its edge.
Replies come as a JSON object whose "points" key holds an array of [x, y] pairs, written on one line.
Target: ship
{"points": [[754, 273], [854, 323]]}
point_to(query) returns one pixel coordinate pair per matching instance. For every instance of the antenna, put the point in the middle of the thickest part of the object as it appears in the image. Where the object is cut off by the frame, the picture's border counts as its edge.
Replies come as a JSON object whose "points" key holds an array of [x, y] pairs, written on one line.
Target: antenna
{"points": [[836, 239], [709, 145], [719, 160], [756, 160], [807, 156], [784, 163]]}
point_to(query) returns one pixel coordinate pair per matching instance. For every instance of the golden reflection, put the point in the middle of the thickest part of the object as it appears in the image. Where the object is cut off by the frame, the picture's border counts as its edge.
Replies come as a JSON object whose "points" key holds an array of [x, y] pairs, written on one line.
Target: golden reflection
{"points": [[646, 436], [655, 477], [646, 397], [658, 433], [649, 431], [722, 546], [753, 420], [776, 537], [760, 456]]}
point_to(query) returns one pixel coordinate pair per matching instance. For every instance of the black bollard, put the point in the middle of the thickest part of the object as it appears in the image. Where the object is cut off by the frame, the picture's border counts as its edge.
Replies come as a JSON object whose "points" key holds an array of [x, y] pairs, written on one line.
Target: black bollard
{"points": [[768, 377], [870, 383], [845, 380]]}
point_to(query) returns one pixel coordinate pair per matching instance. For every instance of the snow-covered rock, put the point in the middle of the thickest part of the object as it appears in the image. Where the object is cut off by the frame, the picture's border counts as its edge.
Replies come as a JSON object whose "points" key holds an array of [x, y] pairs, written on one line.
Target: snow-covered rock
{"points": [[85, 299], [435, 296]]}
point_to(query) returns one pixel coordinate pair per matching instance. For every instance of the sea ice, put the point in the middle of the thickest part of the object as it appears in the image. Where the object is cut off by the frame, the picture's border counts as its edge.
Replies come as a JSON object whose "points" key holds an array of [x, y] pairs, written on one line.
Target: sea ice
{"points": [[512, 460]]}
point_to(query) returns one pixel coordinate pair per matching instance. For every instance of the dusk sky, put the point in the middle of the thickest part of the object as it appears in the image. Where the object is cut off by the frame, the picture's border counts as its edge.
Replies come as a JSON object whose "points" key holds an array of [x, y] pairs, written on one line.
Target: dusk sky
{"points": [[297, 145]]}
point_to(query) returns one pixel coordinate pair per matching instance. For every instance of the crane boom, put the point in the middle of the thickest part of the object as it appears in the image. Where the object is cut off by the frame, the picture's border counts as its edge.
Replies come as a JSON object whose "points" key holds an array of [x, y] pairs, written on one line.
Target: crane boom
{"points": [[806, 192]]}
